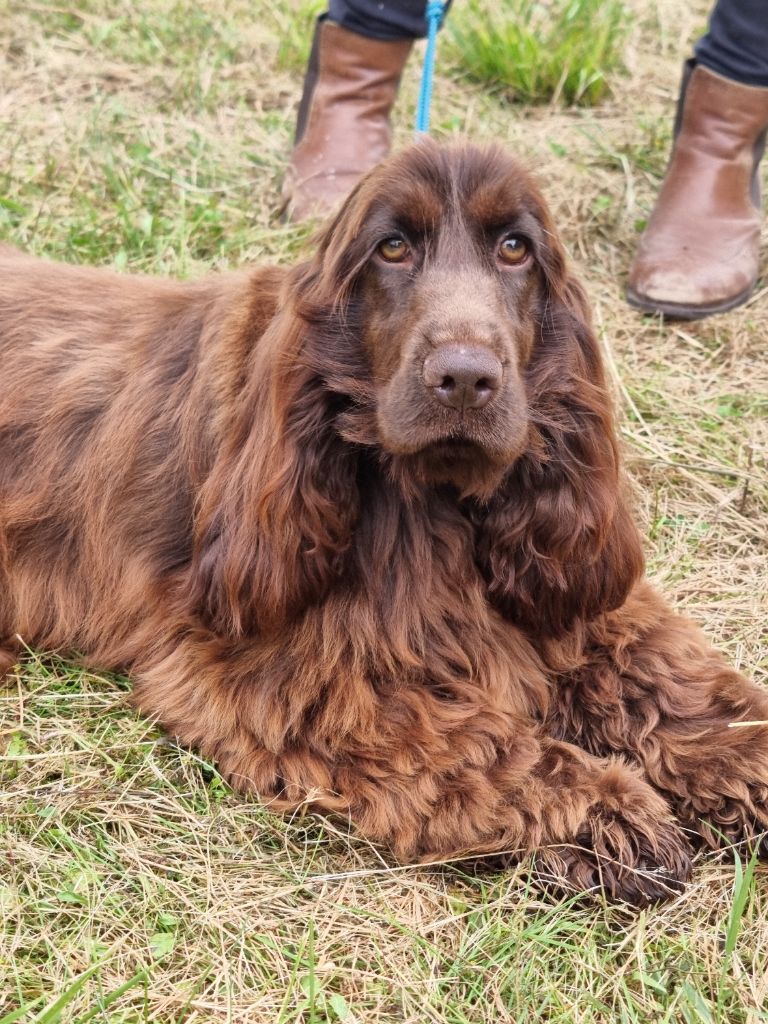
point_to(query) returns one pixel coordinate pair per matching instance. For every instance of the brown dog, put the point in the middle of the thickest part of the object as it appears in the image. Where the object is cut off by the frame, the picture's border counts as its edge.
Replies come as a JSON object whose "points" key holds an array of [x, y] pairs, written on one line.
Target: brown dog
{"points": [[356, 530]]}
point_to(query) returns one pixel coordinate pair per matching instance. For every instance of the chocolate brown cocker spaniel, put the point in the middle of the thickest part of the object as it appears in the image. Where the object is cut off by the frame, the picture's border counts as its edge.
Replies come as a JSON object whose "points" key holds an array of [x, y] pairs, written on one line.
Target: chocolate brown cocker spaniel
{"points": [[356, 530]]}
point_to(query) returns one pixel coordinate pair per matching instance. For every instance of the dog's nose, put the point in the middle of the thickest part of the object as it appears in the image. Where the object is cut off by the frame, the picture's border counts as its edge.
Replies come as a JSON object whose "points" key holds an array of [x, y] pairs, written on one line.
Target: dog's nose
{"points": [[463, 377]]}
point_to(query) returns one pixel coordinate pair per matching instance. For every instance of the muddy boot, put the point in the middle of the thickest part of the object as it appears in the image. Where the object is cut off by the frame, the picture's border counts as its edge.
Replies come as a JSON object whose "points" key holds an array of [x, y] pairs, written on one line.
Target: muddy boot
{"points": [[699, 253], [343, 124]]}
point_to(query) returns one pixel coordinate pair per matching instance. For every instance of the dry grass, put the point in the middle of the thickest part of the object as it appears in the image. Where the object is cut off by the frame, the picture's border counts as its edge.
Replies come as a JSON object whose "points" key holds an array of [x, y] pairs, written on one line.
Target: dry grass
{"points": [[153, 136]]}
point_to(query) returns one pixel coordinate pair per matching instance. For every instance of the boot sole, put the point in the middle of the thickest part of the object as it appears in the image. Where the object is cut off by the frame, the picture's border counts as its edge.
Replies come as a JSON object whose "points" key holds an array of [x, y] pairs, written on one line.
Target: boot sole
{"points": [[678, 311]]}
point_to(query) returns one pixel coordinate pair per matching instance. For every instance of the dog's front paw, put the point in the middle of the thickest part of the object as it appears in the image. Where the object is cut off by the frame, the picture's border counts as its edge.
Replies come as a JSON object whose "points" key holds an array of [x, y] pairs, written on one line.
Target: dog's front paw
{"points": [[635, 862]]}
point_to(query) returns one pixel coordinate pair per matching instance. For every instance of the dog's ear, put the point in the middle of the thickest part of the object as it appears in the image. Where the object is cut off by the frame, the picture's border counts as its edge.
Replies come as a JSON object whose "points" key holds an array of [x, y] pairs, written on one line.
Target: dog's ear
{"points": [[557, 543], [278, 509]]}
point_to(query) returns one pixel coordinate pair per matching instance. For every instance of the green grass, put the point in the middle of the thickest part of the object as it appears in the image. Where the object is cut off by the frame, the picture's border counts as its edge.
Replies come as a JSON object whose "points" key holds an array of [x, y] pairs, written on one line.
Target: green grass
{"points": [[135, 887], [534, 52], [295, 27]]}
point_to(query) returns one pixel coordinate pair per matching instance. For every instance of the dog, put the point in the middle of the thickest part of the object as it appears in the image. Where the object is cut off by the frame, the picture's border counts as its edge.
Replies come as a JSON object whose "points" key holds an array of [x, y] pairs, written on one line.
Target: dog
{"points": [[357, 530]]}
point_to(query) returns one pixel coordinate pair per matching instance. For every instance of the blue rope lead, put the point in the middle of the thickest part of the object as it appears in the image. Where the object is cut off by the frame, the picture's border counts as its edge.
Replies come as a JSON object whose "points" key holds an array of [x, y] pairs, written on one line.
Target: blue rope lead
{"points": [[434, 16]]}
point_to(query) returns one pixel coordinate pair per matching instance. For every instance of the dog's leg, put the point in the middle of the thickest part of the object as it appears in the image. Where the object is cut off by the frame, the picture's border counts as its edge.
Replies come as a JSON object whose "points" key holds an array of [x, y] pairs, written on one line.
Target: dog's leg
{"points": [[645, 682], [430, 776], [9, 644], [9, 655]]}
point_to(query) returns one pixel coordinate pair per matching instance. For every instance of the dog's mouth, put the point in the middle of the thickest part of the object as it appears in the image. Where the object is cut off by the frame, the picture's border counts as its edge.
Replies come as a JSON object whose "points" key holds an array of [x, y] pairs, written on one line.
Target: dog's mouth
{"points": [[480, 448], [456, 458], [459, 461], [461, 451], [459, 448]]}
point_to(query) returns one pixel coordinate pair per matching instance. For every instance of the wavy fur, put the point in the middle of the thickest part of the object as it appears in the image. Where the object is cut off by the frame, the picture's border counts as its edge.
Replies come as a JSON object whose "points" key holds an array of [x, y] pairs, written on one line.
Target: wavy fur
{"points": [[242, 491]]}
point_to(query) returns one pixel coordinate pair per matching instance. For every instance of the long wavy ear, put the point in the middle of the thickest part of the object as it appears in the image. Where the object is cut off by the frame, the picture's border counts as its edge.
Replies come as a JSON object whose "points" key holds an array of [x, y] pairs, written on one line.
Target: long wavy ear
{"points": [[557, 543], [277, 511]]}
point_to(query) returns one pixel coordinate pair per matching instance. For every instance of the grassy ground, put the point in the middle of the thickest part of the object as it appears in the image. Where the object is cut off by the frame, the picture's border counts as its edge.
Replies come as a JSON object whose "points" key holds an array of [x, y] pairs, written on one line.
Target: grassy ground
{"points": [[134, 887]]}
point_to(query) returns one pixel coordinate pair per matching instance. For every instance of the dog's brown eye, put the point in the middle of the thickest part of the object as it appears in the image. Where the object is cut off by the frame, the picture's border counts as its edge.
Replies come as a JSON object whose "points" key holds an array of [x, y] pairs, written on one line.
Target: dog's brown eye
{"points": [[393, 250], [513, 250]]}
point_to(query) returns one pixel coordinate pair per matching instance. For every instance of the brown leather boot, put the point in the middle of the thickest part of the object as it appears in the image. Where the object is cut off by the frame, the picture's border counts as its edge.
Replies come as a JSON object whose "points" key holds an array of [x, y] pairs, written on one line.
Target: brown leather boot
{"points": [[699, 253], [343, 127]]}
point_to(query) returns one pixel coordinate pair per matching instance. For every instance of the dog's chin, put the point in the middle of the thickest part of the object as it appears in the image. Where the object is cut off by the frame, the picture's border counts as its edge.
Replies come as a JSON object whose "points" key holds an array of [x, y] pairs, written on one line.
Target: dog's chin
{"points": [[471, 467]]}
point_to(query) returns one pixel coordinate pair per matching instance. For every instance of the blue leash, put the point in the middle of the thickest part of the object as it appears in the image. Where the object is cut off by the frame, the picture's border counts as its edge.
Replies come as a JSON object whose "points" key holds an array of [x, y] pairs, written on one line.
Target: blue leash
{"points": [[434, 16]]}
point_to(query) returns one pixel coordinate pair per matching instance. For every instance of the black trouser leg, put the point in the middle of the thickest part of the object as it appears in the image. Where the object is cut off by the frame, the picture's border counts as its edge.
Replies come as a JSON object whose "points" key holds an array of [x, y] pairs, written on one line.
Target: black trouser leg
{"points": [[736, 45], [381, 19]]}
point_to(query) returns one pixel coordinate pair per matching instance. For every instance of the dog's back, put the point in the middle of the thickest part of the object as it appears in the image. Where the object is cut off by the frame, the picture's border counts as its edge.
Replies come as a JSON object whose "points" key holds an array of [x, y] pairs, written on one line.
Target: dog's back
{"points": [[110, 391]]}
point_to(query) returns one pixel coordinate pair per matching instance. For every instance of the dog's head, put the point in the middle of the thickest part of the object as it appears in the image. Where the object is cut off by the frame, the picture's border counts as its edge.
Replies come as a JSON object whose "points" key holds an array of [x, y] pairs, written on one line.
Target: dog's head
{"points": [[438, 328], [445, 268]]}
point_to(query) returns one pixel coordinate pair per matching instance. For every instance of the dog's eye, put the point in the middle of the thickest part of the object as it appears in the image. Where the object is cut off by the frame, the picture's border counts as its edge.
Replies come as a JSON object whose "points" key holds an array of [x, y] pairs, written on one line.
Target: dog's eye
{"points": [[393, 250], [513, 250]]}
